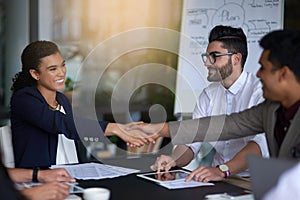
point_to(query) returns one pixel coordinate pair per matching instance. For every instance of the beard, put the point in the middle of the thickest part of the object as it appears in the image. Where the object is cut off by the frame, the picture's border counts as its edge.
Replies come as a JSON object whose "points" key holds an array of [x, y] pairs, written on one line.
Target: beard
{"points": [[216, 74]]}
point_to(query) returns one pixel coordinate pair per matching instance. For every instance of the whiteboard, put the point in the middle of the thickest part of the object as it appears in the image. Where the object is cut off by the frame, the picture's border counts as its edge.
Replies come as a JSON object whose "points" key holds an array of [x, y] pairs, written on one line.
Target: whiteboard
{"points": [[255, 17]]}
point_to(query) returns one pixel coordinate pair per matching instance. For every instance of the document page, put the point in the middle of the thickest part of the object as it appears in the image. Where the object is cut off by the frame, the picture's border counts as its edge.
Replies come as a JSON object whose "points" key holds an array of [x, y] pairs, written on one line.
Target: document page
{"points": [[88, 171]]}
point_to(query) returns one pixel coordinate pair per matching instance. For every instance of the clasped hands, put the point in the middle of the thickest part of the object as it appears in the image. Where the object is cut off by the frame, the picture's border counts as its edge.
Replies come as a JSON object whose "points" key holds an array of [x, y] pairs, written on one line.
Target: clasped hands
{"points": [[137, 134]]}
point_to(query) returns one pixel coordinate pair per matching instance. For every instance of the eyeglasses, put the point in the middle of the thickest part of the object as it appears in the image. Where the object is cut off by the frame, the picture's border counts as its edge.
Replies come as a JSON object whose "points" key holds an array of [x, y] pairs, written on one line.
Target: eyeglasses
{"points": [[213, 56]]}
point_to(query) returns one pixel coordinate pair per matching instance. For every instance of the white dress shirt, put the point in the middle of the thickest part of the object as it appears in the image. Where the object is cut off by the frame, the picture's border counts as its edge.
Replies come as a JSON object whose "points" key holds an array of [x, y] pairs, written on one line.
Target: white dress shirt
{"points": [[215, 99]]}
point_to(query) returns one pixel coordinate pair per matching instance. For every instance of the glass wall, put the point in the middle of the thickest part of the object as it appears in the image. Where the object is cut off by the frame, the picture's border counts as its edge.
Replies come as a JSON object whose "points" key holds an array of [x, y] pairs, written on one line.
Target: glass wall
{"points": [[80, 26], [83, 29]]}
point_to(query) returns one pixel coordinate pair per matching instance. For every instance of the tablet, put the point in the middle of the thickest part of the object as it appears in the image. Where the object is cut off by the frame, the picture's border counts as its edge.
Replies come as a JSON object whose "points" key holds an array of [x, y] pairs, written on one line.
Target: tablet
{"points": [[163, 176]]}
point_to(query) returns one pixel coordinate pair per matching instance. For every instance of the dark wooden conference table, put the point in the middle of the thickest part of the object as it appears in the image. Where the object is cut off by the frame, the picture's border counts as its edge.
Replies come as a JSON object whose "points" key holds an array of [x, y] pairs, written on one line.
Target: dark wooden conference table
{"points": [[133, 187]]}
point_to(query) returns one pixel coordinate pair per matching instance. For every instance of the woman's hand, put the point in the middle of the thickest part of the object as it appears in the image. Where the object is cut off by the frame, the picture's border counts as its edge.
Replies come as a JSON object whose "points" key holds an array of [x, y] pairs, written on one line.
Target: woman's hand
{"points": [[151, 131], [133, 138]]}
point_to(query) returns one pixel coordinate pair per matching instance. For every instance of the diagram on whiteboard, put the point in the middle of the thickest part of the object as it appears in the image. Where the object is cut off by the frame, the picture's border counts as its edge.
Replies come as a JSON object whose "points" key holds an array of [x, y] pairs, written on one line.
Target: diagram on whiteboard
{"points": [[255, 17]]}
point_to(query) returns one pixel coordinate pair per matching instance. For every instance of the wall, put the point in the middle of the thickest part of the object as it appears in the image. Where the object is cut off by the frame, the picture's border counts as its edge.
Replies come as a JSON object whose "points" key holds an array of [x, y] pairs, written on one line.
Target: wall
{"points": [[16, 37]]}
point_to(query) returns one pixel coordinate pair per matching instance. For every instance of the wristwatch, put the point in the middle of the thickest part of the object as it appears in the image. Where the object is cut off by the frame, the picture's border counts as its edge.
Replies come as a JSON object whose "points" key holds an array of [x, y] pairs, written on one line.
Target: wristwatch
{"points": [[225, 169]]}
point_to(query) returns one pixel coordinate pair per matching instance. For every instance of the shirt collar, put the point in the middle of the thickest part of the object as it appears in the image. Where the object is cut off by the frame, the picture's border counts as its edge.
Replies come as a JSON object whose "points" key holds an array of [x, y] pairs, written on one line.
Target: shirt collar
{"points": [[290, 112], [238, 84]]}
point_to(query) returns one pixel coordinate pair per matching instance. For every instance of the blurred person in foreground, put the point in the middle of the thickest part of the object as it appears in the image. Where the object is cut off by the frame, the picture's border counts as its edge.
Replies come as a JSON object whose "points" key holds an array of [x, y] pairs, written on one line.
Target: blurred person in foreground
{"points": [[53, 183]]}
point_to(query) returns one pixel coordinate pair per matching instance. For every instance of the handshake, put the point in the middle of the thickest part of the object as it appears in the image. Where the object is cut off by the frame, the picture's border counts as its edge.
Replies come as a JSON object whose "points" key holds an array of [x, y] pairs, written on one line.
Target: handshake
{"points": [[137, 134]]}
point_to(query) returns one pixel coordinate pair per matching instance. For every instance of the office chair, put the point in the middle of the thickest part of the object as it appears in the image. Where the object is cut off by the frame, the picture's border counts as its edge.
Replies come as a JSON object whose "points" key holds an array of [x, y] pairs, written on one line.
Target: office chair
{"points": [[6, 148]]}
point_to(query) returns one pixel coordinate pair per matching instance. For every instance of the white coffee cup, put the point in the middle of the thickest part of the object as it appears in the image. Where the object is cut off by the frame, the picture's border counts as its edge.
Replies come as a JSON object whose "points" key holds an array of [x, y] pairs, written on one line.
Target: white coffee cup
{"points": [[96, 194]]}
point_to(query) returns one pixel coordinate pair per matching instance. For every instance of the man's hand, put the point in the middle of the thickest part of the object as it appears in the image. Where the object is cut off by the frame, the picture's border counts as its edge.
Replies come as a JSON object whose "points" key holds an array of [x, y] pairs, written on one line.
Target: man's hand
{"points": [[152, 131], [133, 138], [50, 175], [206, 174], [163, 162]]}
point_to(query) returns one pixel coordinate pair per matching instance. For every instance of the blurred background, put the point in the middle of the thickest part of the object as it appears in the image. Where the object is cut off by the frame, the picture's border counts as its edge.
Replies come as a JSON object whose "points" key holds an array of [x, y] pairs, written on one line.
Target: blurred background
{"points": [[79, 26]]}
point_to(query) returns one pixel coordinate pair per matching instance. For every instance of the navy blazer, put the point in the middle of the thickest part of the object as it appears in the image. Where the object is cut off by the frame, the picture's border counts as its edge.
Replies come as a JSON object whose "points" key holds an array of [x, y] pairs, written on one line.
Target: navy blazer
{"points": [[35, 127]]}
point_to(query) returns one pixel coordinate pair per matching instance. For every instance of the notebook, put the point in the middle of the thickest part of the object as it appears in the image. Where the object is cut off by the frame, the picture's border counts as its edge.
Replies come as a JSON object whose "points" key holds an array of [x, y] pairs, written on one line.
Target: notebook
{"points": [[265, 173]]}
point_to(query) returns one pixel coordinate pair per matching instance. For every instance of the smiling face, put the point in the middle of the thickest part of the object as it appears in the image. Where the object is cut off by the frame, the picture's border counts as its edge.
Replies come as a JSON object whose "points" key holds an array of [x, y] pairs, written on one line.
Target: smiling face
{"points": [[51, 75], [222, 68], [270, 78]]}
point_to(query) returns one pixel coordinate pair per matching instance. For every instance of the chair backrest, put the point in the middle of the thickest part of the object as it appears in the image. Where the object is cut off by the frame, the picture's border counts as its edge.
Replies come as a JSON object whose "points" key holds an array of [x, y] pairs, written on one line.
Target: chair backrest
{"points": [[266, 172], [6, 148]]}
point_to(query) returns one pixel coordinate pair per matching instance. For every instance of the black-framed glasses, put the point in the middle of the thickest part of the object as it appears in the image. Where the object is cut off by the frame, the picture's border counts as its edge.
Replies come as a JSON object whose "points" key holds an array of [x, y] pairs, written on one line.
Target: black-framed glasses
{"points": [[211, 57]]}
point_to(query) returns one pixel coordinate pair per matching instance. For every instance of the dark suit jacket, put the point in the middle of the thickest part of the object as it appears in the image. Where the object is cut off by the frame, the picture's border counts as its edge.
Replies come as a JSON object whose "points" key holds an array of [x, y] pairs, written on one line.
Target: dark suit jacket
{"points": [[35, 128], [260, 118]]}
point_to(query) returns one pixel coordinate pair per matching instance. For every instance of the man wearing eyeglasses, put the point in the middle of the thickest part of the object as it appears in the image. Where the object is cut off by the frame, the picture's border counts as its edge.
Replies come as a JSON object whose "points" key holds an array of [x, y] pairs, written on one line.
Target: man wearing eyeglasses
{"points": [[232, 90]]}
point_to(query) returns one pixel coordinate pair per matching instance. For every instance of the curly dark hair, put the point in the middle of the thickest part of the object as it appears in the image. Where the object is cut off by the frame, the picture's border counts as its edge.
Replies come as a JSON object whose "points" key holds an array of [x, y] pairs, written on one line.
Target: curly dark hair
{"points": [[284, 46], [31, 59], [233, 39]]}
